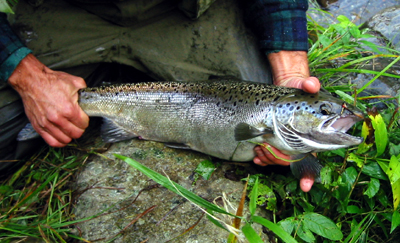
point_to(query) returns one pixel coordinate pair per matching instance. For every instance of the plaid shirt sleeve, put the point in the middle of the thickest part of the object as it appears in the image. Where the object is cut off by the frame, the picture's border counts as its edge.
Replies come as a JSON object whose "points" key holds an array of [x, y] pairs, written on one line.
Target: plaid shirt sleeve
{"points": [[279, 24], [12, 50]]}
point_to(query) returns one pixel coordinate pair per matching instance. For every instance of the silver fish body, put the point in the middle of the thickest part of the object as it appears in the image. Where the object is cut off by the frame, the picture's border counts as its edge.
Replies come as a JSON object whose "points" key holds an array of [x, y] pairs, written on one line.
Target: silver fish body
{"points": [[222, 117]]}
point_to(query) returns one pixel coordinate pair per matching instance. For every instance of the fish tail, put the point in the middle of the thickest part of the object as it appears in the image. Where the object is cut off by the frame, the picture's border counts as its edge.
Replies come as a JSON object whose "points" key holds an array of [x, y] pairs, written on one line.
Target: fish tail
{"points": [[308, 167]]}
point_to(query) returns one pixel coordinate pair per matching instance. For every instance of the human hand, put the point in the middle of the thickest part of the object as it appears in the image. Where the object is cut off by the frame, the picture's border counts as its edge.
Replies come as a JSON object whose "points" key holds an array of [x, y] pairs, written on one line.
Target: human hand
{"points": [[50, 100], [290, 69]]}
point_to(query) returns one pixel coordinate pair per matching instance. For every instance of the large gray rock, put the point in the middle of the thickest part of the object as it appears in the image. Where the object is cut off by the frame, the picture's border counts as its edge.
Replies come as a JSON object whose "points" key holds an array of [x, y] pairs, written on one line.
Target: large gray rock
{"points": [[357, 11], [116, 184], [387, 23]]}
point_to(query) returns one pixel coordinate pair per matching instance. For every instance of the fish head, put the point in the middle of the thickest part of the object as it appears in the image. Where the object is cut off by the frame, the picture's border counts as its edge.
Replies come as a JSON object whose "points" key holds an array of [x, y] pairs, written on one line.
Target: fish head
{"points": [[315, 122]]}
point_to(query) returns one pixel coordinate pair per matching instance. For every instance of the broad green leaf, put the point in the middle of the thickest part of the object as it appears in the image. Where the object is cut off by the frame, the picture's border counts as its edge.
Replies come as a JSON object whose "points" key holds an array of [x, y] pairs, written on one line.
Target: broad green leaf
{"points": [[205, 169], [373, 188], [393, 173], [322, 226], [381, 136], [288, 224], [326, 175], [176, 188], [305, 234], [274, 228], [355, 158], [395, 221], [353, 209], [375, 170], [251, 234], [253, 198]]}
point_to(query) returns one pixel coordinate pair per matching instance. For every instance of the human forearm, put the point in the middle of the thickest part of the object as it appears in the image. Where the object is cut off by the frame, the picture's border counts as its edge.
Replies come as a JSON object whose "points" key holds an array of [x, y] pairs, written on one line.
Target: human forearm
{"points": [[50, 100]]}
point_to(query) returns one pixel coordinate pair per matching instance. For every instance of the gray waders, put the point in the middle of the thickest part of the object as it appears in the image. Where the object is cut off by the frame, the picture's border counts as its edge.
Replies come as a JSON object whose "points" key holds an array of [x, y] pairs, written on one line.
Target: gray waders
{"points": [[154, 38]]}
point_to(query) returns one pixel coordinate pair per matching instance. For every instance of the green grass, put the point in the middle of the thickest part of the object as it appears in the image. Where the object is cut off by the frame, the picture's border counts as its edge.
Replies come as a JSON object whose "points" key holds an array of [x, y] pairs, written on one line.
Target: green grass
{"points": [[357, 200]]}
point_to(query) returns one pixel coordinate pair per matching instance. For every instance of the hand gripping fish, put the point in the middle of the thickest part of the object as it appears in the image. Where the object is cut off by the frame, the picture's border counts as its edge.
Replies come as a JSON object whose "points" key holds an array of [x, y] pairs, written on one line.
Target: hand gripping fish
{"points": [[224, 118]]}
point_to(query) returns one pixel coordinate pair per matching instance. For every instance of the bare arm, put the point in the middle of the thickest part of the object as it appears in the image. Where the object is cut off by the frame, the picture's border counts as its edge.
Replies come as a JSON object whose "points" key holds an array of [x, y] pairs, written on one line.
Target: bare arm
{"points": [[50, 100]]}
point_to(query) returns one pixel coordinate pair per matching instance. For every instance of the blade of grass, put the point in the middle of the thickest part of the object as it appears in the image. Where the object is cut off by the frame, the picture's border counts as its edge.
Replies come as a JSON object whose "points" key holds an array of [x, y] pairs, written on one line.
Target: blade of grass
{"points": [[162, 180]]}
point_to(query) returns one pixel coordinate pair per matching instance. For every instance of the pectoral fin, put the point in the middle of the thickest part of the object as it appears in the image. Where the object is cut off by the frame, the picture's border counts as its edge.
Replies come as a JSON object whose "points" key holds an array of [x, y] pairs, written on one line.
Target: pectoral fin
{"points": [[111, 132], [308, 167], [244, 131]]}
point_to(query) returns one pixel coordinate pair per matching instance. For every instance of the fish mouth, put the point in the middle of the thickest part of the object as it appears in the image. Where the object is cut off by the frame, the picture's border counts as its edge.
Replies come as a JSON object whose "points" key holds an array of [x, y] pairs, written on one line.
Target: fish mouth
{"points": [[338, 125]]}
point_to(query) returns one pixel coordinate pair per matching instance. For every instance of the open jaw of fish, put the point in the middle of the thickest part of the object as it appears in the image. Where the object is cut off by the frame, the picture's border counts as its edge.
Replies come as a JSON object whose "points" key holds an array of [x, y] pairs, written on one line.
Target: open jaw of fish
{"points": [[338, 125], [328, 132]]}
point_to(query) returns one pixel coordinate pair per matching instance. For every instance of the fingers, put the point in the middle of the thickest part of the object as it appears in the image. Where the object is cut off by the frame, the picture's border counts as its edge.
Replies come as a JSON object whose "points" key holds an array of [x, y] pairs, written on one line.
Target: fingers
{"points": [[306, 184], [311, 85], [264, 157]]}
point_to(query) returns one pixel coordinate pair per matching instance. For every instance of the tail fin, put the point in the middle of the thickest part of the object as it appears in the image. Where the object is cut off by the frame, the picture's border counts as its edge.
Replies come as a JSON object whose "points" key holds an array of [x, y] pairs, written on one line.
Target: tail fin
{"points": [[308, 167]]}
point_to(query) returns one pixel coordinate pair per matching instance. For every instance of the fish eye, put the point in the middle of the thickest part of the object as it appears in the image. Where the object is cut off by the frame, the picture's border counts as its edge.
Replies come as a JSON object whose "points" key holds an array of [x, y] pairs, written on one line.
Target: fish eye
{"points": [[324, 109]]}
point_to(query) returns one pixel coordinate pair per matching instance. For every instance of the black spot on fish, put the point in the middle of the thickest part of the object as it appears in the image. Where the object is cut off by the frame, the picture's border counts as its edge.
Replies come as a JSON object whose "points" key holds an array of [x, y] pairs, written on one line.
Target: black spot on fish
{"points": [[291, 108], [257, 102], [276, 98], [288, 104], [312, 96], [316, 102], [298, 108], [234, 103], [296, 102]]}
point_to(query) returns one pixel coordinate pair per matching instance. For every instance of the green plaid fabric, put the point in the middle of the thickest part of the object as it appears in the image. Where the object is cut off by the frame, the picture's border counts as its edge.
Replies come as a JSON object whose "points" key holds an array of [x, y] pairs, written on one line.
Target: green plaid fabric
{"points": [[279, 24], [12, 50]]}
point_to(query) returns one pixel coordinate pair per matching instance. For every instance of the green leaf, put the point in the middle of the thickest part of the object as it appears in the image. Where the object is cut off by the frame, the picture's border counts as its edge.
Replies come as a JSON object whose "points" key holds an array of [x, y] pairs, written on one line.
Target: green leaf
{"points": [[355, 158], [253, 198], [395, 221], [326, 175], [353, 209], [374, 170], [305, 234], [5, 7], [393, 173], [322, 226], [381, 136], [364, 147], [286, 237], [288, 224], [251, 234], [176, 188], [373, 188], [205, 169]]}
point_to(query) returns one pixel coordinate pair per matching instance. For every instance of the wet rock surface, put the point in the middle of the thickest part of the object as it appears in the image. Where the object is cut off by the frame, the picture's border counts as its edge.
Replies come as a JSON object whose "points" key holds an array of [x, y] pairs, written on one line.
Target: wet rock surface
{"points": [[111, 185]]}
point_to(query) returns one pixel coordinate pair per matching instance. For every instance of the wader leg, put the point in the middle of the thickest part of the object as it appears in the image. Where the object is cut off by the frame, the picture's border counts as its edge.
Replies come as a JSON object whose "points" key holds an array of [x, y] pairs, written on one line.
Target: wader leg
{"points": [[165, 46], [12, 120]]}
